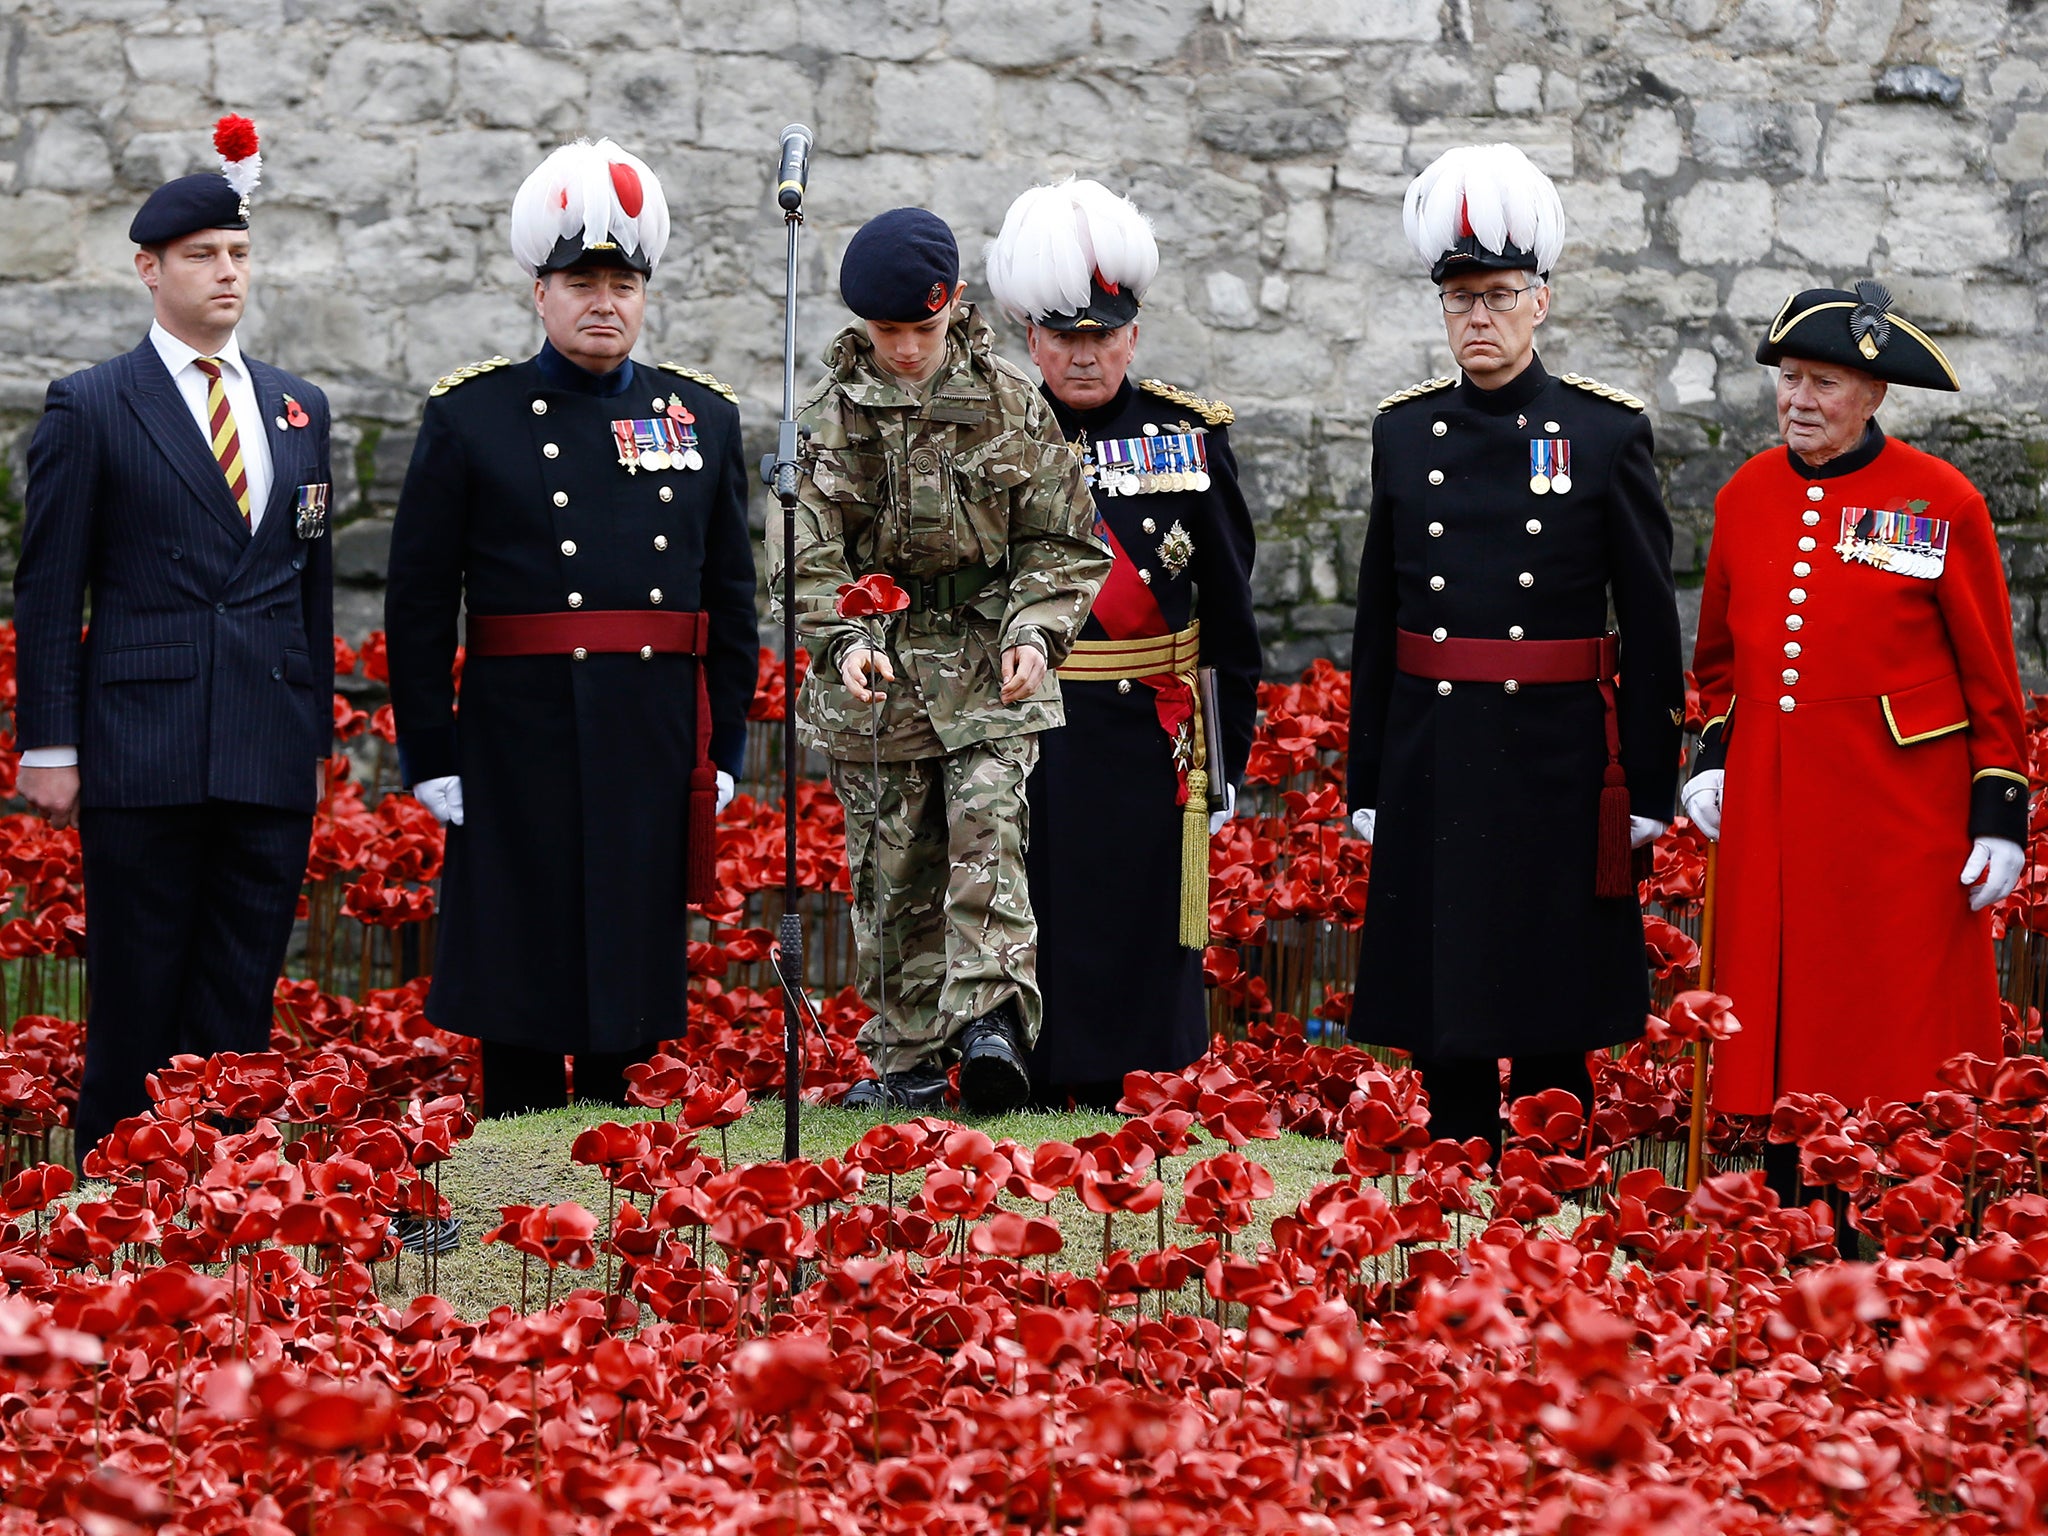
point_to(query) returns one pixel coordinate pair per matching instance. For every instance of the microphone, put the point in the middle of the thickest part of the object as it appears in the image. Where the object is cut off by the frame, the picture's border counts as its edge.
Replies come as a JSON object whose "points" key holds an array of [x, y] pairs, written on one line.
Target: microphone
{"points": [[795, 168]]}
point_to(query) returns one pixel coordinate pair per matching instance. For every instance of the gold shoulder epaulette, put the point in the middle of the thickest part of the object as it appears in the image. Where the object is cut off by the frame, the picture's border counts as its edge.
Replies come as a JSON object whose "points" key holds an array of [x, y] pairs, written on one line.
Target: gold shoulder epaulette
{"points": [[699, 376], [1604, 391], [1214, 412], [466, 372], [1416, 392]]}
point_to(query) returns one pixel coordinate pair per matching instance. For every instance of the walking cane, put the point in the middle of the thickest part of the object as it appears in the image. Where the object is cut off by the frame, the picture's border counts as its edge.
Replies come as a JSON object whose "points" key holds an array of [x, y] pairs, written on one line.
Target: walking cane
{"points": [[780, 472], [1696, 1140]]}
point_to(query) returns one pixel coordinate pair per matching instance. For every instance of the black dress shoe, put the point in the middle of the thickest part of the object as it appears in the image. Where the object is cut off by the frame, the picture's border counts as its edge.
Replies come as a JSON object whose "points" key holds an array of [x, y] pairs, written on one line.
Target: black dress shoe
{"points": [[920, 1089], [993, 1076], [441, 1234]]}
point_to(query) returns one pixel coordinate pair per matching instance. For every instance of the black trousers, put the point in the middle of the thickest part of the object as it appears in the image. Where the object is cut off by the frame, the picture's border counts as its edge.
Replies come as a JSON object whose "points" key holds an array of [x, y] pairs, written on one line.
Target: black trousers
{"points": [[519, 1079], [190, 909], [1781, 1176], [1464, 1096]]}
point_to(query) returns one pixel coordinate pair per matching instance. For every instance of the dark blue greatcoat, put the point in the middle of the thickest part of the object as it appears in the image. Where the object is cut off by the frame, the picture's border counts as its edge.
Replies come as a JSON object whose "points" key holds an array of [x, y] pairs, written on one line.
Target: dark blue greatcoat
{"points": [[562, 911]]}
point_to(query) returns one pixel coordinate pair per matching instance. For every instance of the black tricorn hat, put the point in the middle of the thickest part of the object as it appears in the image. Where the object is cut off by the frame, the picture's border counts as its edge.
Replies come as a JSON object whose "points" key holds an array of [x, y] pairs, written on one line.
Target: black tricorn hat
{"points": [[1858, 330], [1110, 308]]}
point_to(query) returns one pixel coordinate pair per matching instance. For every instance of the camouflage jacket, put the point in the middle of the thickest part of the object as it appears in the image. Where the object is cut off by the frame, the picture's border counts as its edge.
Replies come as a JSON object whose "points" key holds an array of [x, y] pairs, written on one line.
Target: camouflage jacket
{"points": [[977, 471]]}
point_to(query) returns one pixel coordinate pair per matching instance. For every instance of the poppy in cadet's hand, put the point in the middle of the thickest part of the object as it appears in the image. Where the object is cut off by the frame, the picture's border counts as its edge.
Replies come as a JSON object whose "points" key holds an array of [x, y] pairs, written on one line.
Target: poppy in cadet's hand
{"points": [[873, 593]]}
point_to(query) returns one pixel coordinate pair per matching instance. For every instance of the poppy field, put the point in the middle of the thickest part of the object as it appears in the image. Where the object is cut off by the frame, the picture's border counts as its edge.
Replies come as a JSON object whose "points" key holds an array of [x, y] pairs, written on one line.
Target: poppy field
{"points": [[210, 1326]]}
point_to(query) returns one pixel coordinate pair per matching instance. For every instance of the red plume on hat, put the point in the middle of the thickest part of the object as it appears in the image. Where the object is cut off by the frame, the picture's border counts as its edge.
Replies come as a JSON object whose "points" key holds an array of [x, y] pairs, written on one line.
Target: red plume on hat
{"points": [[234, 139]]}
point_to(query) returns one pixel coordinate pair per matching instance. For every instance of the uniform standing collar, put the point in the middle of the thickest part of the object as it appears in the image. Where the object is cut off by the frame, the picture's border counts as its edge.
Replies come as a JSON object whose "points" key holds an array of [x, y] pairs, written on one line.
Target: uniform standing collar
{"points": [[1096, 417], [1511, 396], [1861, 456], [557, 372]]}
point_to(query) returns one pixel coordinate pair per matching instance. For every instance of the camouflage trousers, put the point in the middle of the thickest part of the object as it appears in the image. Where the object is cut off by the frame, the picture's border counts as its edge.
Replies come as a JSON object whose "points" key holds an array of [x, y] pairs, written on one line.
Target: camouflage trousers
{"points": [[943, 869]]}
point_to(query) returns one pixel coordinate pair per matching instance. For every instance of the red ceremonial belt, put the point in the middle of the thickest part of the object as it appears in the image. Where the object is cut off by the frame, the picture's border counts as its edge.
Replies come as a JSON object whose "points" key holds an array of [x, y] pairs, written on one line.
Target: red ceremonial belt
{"points": [[1515, 662], [628, 631]]}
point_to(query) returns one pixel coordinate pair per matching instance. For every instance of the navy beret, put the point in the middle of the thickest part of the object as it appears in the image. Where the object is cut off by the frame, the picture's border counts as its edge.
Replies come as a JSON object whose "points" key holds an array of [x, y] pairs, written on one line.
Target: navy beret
{"points": [[903, 265], [185, 206]]}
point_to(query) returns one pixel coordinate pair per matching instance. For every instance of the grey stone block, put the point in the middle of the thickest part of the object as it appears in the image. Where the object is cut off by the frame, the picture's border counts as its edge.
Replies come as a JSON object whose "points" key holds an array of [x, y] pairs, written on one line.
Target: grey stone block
{"points": [[38, 235], [1323, 618], [388, 82], [1276, 573], [1919, 82], [362, 551], [68, 154]]}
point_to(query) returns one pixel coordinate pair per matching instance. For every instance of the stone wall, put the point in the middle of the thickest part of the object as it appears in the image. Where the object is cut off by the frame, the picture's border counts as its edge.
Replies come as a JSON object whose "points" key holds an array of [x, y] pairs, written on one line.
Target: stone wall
{"points": [[1713, 155]]}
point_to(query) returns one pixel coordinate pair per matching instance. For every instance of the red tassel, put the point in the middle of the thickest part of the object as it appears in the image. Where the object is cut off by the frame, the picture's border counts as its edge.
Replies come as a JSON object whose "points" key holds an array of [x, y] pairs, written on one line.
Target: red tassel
{"points": [[1612, 867], [700, 848]]}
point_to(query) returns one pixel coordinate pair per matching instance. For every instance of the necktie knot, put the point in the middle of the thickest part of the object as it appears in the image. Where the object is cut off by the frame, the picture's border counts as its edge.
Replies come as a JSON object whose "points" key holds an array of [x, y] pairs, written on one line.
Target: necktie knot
{"points": [[210, 366]]}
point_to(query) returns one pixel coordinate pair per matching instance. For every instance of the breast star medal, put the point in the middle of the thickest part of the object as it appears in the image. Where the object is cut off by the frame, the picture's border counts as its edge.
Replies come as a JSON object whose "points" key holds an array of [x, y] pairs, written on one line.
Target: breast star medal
{"points": [[1176, 549]]}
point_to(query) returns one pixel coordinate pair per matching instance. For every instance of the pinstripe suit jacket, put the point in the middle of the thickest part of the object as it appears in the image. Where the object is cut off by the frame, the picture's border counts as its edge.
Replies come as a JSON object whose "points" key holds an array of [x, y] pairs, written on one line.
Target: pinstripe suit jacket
{"points": [[208, 670]]}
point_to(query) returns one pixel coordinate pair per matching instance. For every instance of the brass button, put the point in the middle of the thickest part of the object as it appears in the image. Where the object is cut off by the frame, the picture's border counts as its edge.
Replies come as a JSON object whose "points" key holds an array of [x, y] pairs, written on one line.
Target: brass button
{"points": [[1151, 429], [1534, 525], [1526, 579], [1515, 631], [1793, 621], [1814, 493], [568, 546], [1511, 686], [575, 599], [561, 498], [1550, 426], [647, 653], [551, 450], [1149, 526], [1123, 685], [1806, 545], [661, 541], [1792, 648], [1788, 703], [1438, 428], [1444, 687], [1436, 530], [1810, 517], [1801, 568], [1790, 675], [580, 654], [655, 597], [667, 493], [2012, 792], [1436, 477], [540, 407], [1439, 635], [1797, 594], [1145, 576], [1436, 583]]}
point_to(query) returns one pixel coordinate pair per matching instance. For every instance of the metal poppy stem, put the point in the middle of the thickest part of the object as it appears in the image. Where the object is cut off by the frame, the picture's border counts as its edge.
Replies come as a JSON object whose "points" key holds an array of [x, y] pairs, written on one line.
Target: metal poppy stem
{"points": [[1702, 1049]]}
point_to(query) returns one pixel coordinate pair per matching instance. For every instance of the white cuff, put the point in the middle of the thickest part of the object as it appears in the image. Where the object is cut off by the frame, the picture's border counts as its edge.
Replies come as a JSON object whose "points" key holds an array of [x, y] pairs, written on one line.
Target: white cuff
{"points": [[50, 757]]}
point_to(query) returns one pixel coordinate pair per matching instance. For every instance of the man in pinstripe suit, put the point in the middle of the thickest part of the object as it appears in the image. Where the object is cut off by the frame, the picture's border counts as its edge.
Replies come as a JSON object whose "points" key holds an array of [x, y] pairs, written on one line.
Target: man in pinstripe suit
{"points": [[185, 486]]}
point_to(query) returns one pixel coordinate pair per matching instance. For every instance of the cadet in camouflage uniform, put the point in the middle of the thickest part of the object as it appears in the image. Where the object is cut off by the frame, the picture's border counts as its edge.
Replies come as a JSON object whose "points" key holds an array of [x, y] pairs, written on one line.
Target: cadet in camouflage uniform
{"points": [[935, 462]]}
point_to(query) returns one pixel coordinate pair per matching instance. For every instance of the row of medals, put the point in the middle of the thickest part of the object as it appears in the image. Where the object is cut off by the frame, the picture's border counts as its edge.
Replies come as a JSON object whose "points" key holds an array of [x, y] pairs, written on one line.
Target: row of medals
{"points": [[1544, 485], [1129, 482]]}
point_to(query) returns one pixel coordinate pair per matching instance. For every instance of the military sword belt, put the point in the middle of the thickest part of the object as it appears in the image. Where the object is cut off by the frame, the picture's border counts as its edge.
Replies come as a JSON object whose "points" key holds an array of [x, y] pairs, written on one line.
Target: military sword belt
{"points": [[622, 630], [1115, 661], [955, 589], [1454, 659]]}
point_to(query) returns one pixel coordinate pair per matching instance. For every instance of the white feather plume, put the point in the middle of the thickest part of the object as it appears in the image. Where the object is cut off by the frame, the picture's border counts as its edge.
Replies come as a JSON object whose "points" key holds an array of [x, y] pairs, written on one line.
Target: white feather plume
{"points": [[573, 193], [1056, 238], [243, 175], [1498, 191]]}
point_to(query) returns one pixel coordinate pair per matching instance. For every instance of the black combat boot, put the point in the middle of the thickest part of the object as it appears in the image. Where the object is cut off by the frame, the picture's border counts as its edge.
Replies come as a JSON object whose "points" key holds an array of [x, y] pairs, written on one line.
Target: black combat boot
{"points": [[993, 1077]]}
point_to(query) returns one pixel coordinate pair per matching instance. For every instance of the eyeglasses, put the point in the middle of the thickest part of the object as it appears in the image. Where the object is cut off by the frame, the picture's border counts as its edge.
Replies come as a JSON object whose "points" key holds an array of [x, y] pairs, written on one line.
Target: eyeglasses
{"points": [[1459, 301]]}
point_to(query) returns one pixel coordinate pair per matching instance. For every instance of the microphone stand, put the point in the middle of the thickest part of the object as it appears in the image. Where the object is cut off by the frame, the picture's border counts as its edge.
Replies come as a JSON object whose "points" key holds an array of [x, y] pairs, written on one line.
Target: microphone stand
{"points": [[781, 473]]}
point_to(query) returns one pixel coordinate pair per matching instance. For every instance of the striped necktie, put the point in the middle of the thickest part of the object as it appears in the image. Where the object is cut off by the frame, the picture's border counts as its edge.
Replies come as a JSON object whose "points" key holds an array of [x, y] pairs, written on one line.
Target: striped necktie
{"points": [[220, 427]]}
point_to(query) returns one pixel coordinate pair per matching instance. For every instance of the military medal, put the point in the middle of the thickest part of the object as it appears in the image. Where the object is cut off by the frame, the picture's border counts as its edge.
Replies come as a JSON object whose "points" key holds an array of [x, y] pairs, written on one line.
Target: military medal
{"points": [[310, 520], [685, 427], [667, 441], [1903, 543], [1550, 465], [1158, 461]]}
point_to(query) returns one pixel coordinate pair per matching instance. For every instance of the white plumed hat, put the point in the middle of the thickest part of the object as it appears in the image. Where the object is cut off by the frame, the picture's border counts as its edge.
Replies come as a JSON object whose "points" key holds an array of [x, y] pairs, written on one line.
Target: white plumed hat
{"points": [[1072, 256], [589, 200], [1487, 206]]}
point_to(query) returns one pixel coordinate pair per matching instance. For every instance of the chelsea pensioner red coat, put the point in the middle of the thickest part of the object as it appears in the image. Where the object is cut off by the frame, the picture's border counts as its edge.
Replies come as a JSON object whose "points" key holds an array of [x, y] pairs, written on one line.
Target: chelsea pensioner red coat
{"points": [[1856, 661]]}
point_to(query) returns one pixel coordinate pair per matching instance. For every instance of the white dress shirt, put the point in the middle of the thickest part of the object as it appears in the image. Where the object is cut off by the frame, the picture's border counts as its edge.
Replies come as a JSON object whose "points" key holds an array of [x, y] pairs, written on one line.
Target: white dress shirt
{"points": [[249, 427]]}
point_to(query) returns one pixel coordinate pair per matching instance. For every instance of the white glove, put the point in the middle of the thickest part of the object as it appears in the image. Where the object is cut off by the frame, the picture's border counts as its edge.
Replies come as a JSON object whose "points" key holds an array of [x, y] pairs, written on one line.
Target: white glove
{"points": [[1701, 798], [1642, 830], [1362, 823], [2000, 862], [724, 790], [443, 797], [1217, 818]]}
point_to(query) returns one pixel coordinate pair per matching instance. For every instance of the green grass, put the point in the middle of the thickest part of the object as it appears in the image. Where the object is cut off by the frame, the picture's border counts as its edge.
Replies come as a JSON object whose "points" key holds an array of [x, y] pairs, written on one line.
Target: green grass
{"points": [[525, 1161]]}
